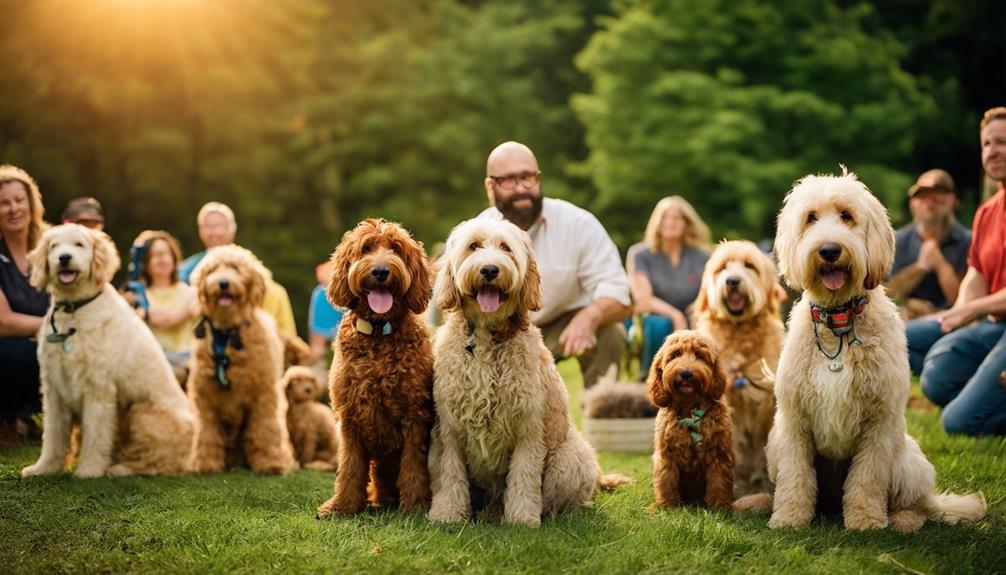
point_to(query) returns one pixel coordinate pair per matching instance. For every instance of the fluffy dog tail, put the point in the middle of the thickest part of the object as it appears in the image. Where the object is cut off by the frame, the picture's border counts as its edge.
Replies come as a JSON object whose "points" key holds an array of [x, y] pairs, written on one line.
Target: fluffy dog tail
{"points": [[954, 508], [612, 481]]}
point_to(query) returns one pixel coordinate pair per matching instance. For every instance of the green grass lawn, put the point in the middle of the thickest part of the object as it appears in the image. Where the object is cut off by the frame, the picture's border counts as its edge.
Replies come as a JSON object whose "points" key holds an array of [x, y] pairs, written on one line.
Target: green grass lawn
{"points": [[240, 523]]}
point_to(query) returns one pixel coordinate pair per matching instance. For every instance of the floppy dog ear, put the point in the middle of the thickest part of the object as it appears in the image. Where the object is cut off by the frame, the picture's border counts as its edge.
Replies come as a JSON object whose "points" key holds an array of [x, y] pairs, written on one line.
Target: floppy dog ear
{"points": [[445, 292], [786, 236], [701, 306], [105, 259], [774, 292], [418, 295], [338, 286], [718, 385], [530, 290], [39, 260], [879, 238], [655, 381], [260, 278]]}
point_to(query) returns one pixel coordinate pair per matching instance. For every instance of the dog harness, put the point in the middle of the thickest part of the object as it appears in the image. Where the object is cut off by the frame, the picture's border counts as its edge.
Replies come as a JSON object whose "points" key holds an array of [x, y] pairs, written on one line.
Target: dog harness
{"points": [[841, 320], [70, 307], [221, 339], [692, 423]]}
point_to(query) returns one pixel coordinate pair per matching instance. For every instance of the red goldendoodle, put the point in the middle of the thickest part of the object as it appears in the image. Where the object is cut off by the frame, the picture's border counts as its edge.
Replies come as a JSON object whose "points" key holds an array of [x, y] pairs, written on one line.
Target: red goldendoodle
{"points": [[693, 455], [381, 381]]}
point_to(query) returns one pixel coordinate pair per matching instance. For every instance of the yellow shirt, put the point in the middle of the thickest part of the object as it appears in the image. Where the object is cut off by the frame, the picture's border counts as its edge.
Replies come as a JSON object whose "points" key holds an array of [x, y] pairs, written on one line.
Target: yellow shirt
{"points": [[277, 304], [181, 294]]}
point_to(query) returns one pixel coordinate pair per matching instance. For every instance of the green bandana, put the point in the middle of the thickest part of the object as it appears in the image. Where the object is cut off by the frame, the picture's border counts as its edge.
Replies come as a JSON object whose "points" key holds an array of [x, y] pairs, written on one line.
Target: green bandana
{"points": [[692, 423]]}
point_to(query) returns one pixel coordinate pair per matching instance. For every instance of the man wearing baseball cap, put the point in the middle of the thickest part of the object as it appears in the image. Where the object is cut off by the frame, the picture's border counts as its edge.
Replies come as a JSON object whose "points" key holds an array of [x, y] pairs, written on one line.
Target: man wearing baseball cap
{"points": [[931, 253], [85, 211]]}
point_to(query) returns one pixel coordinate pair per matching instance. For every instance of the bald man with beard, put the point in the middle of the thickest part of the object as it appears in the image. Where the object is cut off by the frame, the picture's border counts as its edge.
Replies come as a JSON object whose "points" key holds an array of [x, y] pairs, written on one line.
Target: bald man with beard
{"points": [[585, 290]]}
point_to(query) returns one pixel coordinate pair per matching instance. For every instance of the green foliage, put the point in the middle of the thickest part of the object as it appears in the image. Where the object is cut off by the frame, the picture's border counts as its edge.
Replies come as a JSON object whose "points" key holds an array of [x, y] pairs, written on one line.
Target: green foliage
{"points": [[727, 103]]}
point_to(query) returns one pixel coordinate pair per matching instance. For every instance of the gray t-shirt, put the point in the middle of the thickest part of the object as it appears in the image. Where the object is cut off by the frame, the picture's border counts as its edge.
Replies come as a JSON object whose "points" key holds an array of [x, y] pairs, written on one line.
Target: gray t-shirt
{"points": [[677, 285], [908, 242]]}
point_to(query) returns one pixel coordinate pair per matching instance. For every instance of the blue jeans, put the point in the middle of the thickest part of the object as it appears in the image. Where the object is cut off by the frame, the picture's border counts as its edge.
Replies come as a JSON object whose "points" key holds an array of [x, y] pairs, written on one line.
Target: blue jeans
{"points": [[961, 374], [656, 328], [921, 334]]}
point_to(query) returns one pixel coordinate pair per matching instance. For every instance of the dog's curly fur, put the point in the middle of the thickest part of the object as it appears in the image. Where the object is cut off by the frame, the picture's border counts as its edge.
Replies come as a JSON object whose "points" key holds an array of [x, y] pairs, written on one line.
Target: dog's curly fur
{"points": [[738, 306], [311, 423], [110, 377], [687, 375], [839, 438], [244, 423], [502, 419], [613, 399], [381, 385]]}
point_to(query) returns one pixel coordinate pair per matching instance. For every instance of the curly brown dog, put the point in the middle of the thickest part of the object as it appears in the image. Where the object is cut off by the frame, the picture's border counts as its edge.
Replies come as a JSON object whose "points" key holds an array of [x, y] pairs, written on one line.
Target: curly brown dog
{"points": [[381, 379], [237, 365], [693, 455], [311, 423], [738, 306]]}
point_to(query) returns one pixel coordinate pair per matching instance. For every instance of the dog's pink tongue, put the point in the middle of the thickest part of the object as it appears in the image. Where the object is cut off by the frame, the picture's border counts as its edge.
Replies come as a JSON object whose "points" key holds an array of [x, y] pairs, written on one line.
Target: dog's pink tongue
{"points": [[736, 301], [489, 299], [379, 300], [833, 279]]}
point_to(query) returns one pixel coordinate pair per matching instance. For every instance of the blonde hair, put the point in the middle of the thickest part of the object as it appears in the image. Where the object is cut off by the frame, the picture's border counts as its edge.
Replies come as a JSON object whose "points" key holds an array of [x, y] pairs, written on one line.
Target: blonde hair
{"points": [[696, 235], [997, 113], [218, 208], [36, 226]]}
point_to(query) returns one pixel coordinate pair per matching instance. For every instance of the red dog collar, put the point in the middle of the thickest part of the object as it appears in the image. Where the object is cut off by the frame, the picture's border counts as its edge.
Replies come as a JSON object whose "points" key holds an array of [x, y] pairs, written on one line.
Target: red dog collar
{"points": [[838, 319]]}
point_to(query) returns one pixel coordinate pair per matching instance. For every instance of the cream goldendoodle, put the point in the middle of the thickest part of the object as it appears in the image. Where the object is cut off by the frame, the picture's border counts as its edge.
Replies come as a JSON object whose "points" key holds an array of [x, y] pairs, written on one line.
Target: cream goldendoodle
{"points": [[502, 419], [738, 305], [838, 440], [101, 368]]}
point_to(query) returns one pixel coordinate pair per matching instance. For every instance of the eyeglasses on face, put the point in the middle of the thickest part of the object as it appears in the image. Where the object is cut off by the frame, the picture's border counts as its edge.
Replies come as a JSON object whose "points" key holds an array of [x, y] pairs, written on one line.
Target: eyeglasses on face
{"points": [[509, 182]]}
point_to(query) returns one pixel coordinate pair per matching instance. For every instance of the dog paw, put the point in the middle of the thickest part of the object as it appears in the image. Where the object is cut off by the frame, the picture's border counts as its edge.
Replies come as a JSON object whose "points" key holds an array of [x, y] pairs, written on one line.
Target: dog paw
{"points": [[525, 520], [42, 468], [120, 470], [90, 471], [907, 521], [207, 467], [779, 521], [440, 514], [331, 509], [863, 521]]}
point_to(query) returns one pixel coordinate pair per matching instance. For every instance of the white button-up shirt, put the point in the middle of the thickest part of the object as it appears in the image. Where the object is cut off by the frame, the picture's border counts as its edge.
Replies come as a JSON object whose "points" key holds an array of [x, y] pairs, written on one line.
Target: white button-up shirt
{"points": [[576, 258]]}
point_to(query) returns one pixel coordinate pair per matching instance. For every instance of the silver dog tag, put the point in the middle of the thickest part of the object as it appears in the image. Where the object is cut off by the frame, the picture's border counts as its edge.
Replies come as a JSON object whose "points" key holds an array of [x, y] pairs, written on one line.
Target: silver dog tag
{"points": [[835, 365], [67, 346]]}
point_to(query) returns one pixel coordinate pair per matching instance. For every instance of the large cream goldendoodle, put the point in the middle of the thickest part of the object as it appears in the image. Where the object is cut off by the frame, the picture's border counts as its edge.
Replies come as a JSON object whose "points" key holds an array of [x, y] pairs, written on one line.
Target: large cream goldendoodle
{"points": [[502, 419], [738, 306], [838, 440], [101, 368]]}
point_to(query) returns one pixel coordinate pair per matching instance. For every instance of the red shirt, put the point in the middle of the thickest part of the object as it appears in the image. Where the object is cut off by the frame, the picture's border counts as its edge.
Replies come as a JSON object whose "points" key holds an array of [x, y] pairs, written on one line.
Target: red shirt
{"points": [[988, 243]]}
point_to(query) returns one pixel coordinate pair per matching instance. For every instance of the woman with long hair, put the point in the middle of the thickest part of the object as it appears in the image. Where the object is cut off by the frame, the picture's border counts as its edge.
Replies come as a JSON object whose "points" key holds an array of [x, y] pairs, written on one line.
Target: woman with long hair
{"points": [[22, 307], [667, 271]]}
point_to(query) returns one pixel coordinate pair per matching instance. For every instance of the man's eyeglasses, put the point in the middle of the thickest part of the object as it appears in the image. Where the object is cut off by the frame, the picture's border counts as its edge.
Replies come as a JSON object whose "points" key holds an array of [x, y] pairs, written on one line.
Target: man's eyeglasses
{"points": [[527, 179]]}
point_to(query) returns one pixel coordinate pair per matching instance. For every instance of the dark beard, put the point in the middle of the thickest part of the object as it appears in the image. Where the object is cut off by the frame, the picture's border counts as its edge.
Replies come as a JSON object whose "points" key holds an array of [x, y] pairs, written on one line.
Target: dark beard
{"points": [[521, 217]]}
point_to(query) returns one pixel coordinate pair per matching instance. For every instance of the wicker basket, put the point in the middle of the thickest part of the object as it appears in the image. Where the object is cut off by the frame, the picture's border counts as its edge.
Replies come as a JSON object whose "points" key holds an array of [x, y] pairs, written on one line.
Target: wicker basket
{"points": [[632, 435]]}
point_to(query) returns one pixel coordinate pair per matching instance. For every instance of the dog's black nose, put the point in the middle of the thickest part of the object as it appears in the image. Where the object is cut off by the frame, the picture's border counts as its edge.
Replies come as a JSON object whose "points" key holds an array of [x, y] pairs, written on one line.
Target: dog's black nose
{"points": [[380, 273], [733, 281], [489, 272], [225, 284], [685, 374], [64, 259], [830, 252]]}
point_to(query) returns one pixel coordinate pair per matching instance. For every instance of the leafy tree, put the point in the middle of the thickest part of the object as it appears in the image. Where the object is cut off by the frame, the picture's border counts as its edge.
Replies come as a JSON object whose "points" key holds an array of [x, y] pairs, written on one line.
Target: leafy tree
{"points": [[727, 103]]}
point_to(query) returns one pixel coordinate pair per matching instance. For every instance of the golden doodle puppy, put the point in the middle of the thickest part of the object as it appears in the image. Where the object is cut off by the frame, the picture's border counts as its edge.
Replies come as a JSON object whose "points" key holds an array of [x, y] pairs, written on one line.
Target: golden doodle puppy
{"points": [[311, 423], [101, 368], [381, 380], [503, 425], [839, 438], [738, 306], [693, 452], [237, 366]]}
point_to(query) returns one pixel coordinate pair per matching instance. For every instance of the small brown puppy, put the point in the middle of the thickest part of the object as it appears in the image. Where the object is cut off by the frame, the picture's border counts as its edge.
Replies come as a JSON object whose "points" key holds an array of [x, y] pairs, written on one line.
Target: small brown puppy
{"points": [[311, 423], [693, 455]]}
